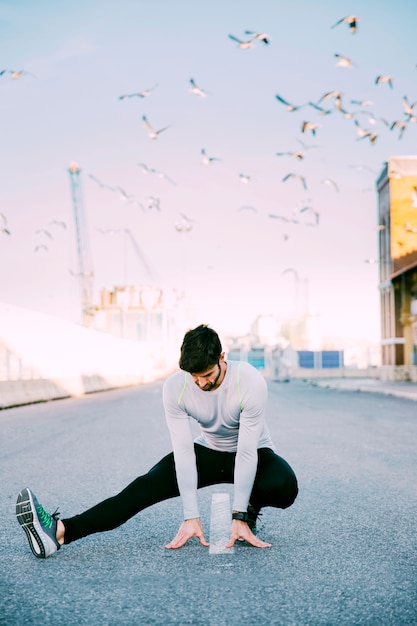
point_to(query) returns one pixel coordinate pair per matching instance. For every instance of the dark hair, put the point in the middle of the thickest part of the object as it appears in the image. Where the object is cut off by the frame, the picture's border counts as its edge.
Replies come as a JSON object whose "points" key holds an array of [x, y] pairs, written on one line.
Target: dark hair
{"points": [[200, 350]]}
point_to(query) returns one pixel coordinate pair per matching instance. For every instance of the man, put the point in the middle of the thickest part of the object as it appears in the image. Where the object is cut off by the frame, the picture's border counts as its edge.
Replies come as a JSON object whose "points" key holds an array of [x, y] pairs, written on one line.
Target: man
{"points": [[228, 400]]}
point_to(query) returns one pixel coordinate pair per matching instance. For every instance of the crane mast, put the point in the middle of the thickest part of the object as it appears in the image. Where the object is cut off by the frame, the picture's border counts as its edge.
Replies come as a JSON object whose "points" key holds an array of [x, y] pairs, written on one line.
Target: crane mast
{"points": [[127, 232], [85, 270]]}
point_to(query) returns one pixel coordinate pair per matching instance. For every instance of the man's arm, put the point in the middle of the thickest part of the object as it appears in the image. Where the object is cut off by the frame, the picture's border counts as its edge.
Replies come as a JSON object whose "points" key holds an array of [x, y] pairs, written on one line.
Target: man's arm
{"points": [[186, 470], [254, 400], [185, 462]]}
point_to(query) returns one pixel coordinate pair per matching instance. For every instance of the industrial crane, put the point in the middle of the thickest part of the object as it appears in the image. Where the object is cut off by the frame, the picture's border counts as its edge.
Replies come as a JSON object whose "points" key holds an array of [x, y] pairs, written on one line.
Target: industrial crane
{"points": [[128, 233], [85, 269]]}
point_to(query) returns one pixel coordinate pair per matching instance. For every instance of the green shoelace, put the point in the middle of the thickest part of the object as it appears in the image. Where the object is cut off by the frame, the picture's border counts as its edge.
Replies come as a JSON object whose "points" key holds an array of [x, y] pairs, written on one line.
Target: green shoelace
{"points": [[45, 518]]}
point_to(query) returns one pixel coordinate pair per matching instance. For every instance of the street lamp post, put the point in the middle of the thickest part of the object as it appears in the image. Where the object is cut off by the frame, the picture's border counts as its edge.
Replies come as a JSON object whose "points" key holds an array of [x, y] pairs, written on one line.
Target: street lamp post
{"points": [[291, 270], [301, 304]]}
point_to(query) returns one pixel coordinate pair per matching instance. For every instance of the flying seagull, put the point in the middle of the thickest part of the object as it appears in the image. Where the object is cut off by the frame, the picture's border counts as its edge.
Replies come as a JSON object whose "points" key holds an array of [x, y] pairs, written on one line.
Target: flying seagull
{"points": [[100, 184], [260, 36], [242, 44], [124, 195], [315, 213], [361, 132], [3, 229], [150, 170], [283, 218], [58, 223], [154, 203], [17, 74], [152, 134], [196, 90], [362, 103], [337, 95], [297, 155], [44, 231], [207, 160], [331, 94], [311, 126], [384, 79], [408, 107], [320, 110], [369, 135], [288, 105], [401, 125], [138, 94], [351, 21], [343, 61], [330, 183], [292, 175]]}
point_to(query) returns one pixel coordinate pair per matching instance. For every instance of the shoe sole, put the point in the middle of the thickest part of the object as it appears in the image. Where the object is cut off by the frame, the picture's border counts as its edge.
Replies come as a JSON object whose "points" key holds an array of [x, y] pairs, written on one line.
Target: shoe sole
{"points": [[26, 518]]}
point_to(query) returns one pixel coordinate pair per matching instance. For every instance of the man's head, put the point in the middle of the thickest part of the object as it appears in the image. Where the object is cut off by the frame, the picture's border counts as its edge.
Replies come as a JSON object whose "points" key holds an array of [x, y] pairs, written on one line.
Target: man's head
{"points": [[202, 356]]}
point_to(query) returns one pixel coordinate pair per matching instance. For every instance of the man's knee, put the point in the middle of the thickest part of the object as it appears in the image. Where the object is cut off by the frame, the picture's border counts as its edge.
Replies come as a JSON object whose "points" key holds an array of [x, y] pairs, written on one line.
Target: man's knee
{"points": [[280, 492], [290, 493]]}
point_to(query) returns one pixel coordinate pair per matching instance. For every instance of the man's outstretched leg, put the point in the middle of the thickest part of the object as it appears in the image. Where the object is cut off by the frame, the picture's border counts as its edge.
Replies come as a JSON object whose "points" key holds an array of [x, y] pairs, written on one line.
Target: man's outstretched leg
{"points": [[46, 533]]}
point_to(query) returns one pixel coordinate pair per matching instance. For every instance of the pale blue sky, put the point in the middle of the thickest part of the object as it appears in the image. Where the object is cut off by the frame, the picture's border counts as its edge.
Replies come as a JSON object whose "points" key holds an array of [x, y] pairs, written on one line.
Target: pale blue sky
{"points": [[82, 55]]}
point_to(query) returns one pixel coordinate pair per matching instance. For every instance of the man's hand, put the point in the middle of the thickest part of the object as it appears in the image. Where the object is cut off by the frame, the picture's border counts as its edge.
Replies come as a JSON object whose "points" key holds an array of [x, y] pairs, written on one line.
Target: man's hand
{"points": [[241, 531], [189, 528]]}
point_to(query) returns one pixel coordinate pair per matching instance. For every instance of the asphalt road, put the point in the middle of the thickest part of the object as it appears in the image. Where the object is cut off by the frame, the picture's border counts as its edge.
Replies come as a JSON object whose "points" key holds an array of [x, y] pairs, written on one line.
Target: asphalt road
{"points": [[343, 554]]}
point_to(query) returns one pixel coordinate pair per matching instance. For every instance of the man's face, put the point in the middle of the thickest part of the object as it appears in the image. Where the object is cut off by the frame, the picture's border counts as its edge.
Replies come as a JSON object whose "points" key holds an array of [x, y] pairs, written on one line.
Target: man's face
{"points": [[208, 380]]}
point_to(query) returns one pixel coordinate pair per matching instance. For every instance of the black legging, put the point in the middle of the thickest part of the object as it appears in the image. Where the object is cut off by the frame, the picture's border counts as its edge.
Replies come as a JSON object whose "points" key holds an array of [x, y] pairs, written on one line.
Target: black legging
{"points": [[275, 485]]}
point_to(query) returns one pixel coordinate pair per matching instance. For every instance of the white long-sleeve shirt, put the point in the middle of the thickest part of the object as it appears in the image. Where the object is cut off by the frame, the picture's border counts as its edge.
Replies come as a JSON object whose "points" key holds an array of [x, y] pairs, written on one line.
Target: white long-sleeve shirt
{"points": [[231, 419]]}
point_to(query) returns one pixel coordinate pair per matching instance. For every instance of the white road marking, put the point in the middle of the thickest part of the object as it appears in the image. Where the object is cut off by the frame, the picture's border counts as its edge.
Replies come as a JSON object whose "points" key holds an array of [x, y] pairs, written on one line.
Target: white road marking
{"points": [[220, 522]]}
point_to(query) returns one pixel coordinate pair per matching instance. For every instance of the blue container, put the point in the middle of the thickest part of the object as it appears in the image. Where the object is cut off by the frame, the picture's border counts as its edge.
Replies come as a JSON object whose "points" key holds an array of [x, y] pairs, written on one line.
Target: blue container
{"points": [[306, 358], [256, 357], [331, 359]]}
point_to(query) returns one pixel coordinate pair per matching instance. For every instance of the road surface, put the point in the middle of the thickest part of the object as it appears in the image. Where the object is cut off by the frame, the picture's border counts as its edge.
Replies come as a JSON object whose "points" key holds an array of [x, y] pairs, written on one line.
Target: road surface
{"points": [[343, 554]]}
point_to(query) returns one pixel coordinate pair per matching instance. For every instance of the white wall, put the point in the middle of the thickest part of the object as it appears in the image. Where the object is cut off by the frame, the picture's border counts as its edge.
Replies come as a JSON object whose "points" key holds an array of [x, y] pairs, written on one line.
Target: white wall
{"points": [[43, 357]]}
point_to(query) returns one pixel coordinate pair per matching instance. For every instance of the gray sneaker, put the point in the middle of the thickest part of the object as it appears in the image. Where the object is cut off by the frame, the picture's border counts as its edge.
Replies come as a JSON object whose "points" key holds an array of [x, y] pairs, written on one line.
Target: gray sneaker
{"points": [[39, 526]]}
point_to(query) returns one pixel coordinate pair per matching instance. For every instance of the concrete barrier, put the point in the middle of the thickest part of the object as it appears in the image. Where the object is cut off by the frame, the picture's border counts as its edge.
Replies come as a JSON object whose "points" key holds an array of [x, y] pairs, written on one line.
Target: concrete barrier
{"points": [[19, 392], [45, 358], [388, 373], [335, 372]]}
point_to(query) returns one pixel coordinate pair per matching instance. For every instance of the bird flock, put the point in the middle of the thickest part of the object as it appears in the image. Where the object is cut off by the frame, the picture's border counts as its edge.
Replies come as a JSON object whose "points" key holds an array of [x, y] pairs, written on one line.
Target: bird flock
{"points": [[365, 124]]}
